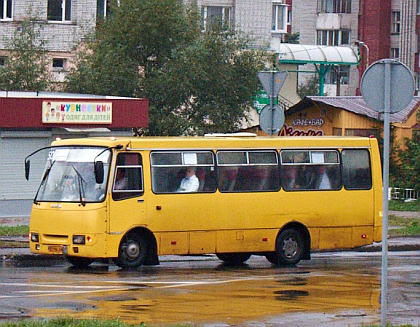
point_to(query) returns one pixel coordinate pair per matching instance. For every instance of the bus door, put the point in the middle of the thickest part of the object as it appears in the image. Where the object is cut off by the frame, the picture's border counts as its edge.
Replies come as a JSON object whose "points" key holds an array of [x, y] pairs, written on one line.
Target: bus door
{"points": [[127, 205]]}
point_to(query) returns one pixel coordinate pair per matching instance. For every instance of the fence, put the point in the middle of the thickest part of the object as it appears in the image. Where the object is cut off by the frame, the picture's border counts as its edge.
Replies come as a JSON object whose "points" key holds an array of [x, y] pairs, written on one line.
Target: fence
{"points": [[406, 194]]}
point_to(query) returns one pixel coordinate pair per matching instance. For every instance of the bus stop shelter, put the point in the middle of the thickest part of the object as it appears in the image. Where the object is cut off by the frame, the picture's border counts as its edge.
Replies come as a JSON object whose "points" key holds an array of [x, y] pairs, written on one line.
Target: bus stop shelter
{"points": [[322, 56]]}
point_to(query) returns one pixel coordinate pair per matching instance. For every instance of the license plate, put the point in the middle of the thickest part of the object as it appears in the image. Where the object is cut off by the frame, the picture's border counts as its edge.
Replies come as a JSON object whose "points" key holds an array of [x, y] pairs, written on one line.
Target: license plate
{"points": [[58, 249]]}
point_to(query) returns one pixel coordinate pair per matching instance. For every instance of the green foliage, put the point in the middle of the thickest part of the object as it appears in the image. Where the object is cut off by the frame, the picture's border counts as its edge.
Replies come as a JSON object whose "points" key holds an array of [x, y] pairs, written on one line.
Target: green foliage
{"points": [[71, 322], [406, 172], [21, 230], [207, 87], [309, 88], [135, 40], [292, 38], [404, 226], [389, 325], [26, 67], [104, 70], [195, 82], [67, 322], [399, 205]]}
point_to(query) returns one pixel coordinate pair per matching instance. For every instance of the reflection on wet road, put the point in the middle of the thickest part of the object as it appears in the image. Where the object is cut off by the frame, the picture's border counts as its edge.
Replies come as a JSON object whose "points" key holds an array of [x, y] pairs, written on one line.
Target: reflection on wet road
{"points": [[202, 291]]}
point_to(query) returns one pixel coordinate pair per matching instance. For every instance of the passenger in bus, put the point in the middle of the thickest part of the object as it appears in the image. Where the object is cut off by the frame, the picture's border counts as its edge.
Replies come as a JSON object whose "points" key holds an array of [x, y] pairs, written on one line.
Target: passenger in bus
{"points": [[324, 182], [190, 182], [121, 181], [227, 179]]}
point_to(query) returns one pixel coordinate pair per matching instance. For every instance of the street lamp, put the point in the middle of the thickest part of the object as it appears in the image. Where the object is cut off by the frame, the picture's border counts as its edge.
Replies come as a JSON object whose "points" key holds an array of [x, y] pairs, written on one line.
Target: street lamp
{"points": [[363, 44]]}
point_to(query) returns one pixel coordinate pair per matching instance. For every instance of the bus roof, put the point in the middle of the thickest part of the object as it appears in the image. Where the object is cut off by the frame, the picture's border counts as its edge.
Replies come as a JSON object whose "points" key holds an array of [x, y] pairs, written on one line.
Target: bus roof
{"points": [[219, 142]]}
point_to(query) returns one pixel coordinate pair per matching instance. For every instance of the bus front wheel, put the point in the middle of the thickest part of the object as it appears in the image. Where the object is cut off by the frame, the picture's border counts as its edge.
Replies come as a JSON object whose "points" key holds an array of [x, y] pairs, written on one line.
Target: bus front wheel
{"points": [[289, 248], [132, 251]]}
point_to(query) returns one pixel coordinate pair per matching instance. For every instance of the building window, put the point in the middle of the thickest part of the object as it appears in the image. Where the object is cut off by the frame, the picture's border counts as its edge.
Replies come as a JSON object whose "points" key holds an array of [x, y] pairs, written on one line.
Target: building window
{"points": [[59, 10], [335, 6], [58, 64], [217, 15], [396, 22], [6, 9], [102, 9], [280, 17], [333, 37], [395, 53], [342, 72]]}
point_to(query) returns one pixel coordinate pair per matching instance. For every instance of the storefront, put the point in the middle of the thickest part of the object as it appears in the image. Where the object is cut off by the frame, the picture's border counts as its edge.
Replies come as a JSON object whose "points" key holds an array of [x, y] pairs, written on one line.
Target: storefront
{"points": [[29, 121], [319, 116]]}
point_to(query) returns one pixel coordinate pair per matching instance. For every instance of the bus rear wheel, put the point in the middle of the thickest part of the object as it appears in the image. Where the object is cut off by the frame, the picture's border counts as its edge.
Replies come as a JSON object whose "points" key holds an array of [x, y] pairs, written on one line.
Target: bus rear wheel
{"points": [[132, 252], [289, 248], [79, 262], [233, 258]]}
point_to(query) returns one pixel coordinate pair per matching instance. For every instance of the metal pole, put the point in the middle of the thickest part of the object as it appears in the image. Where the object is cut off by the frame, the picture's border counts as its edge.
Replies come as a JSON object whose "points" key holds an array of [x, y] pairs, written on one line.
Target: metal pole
{"points": [[387, 111], [321, 79], [272, 103]]}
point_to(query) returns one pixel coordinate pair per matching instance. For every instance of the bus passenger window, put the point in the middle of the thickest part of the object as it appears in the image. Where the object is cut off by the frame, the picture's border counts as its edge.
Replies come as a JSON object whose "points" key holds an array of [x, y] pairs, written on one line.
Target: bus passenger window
{"points": [[248, 171], [170, 168], [227, 178], [310, 170], [356, 169]]}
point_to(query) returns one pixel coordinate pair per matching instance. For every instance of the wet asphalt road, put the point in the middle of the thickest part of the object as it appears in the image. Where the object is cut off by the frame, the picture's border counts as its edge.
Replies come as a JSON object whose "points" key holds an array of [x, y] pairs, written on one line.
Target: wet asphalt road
{"points": [[333, 289]]}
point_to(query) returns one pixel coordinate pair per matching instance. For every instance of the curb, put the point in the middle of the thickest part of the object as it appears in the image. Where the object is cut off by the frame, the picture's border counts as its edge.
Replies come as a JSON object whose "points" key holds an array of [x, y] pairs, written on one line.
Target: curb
{"points": [[23, 255]]}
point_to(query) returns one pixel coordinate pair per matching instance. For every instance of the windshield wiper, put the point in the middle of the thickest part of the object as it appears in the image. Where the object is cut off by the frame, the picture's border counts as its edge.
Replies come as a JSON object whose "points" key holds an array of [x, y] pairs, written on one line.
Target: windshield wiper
{"points": [[80, 181], [44, 178]]}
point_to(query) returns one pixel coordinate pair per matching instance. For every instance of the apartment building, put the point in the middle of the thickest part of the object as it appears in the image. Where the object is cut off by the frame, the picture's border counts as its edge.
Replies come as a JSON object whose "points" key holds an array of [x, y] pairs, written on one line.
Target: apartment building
{"points": [[64, 23], [379, 28]]}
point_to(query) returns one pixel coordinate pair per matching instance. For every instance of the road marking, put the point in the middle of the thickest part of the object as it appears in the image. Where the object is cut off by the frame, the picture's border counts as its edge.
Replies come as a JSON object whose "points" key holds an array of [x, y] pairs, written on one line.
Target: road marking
{"points": [[98, 289]]}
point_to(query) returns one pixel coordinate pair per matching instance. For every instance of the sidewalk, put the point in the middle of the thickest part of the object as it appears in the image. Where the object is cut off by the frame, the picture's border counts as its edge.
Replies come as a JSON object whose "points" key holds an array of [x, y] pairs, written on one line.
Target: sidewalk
{"points": [[22, 253]]}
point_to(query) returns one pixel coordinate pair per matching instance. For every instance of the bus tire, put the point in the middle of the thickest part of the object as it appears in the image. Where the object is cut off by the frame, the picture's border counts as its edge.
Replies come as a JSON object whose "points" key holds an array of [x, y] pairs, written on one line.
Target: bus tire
{"points": [[233, 258], [289, 248], [79, 262], [132, 252]]}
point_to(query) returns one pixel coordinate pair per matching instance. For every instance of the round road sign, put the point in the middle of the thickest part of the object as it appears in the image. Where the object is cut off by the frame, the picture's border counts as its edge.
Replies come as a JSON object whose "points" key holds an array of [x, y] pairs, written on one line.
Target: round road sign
{"points": [[388, 76], [271, 120]]}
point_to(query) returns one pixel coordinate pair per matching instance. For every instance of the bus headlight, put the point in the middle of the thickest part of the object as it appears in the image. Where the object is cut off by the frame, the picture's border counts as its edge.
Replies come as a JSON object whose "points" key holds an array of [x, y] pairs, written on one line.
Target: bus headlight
{"points": [[34, 237], [79, 239]]}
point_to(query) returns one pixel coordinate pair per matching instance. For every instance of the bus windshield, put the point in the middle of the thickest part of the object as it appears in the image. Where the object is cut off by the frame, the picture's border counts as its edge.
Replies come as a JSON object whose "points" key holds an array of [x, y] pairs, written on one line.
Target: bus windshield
{"points": [[69, 175]]}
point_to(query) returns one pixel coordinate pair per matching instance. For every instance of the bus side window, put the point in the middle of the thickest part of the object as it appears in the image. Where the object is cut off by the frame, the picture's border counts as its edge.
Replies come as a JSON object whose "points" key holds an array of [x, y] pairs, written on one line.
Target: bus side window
{"points": [[356, 169], [310, 170], [128, 177], [168, 168], [248, 171]]}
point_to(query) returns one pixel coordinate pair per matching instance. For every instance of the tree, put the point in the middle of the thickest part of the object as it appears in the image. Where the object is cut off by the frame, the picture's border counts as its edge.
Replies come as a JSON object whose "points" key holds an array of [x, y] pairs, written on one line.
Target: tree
{"points": [[311, 87], [196, 82], [136, 39], [207, 87], [26, 67], [408, 164], [292, 38]]}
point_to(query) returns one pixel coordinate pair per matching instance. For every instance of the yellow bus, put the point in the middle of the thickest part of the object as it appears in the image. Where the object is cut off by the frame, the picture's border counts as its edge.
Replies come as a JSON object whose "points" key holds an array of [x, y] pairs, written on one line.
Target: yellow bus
{"points": [[127, 199]]}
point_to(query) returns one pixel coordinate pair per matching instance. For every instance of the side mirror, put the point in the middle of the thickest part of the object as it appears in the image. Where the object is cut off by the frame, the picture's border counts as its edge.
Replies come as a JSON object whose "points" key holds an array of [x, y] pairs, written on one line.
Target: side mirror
{"points": [[27, 169], [99, 172]]}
